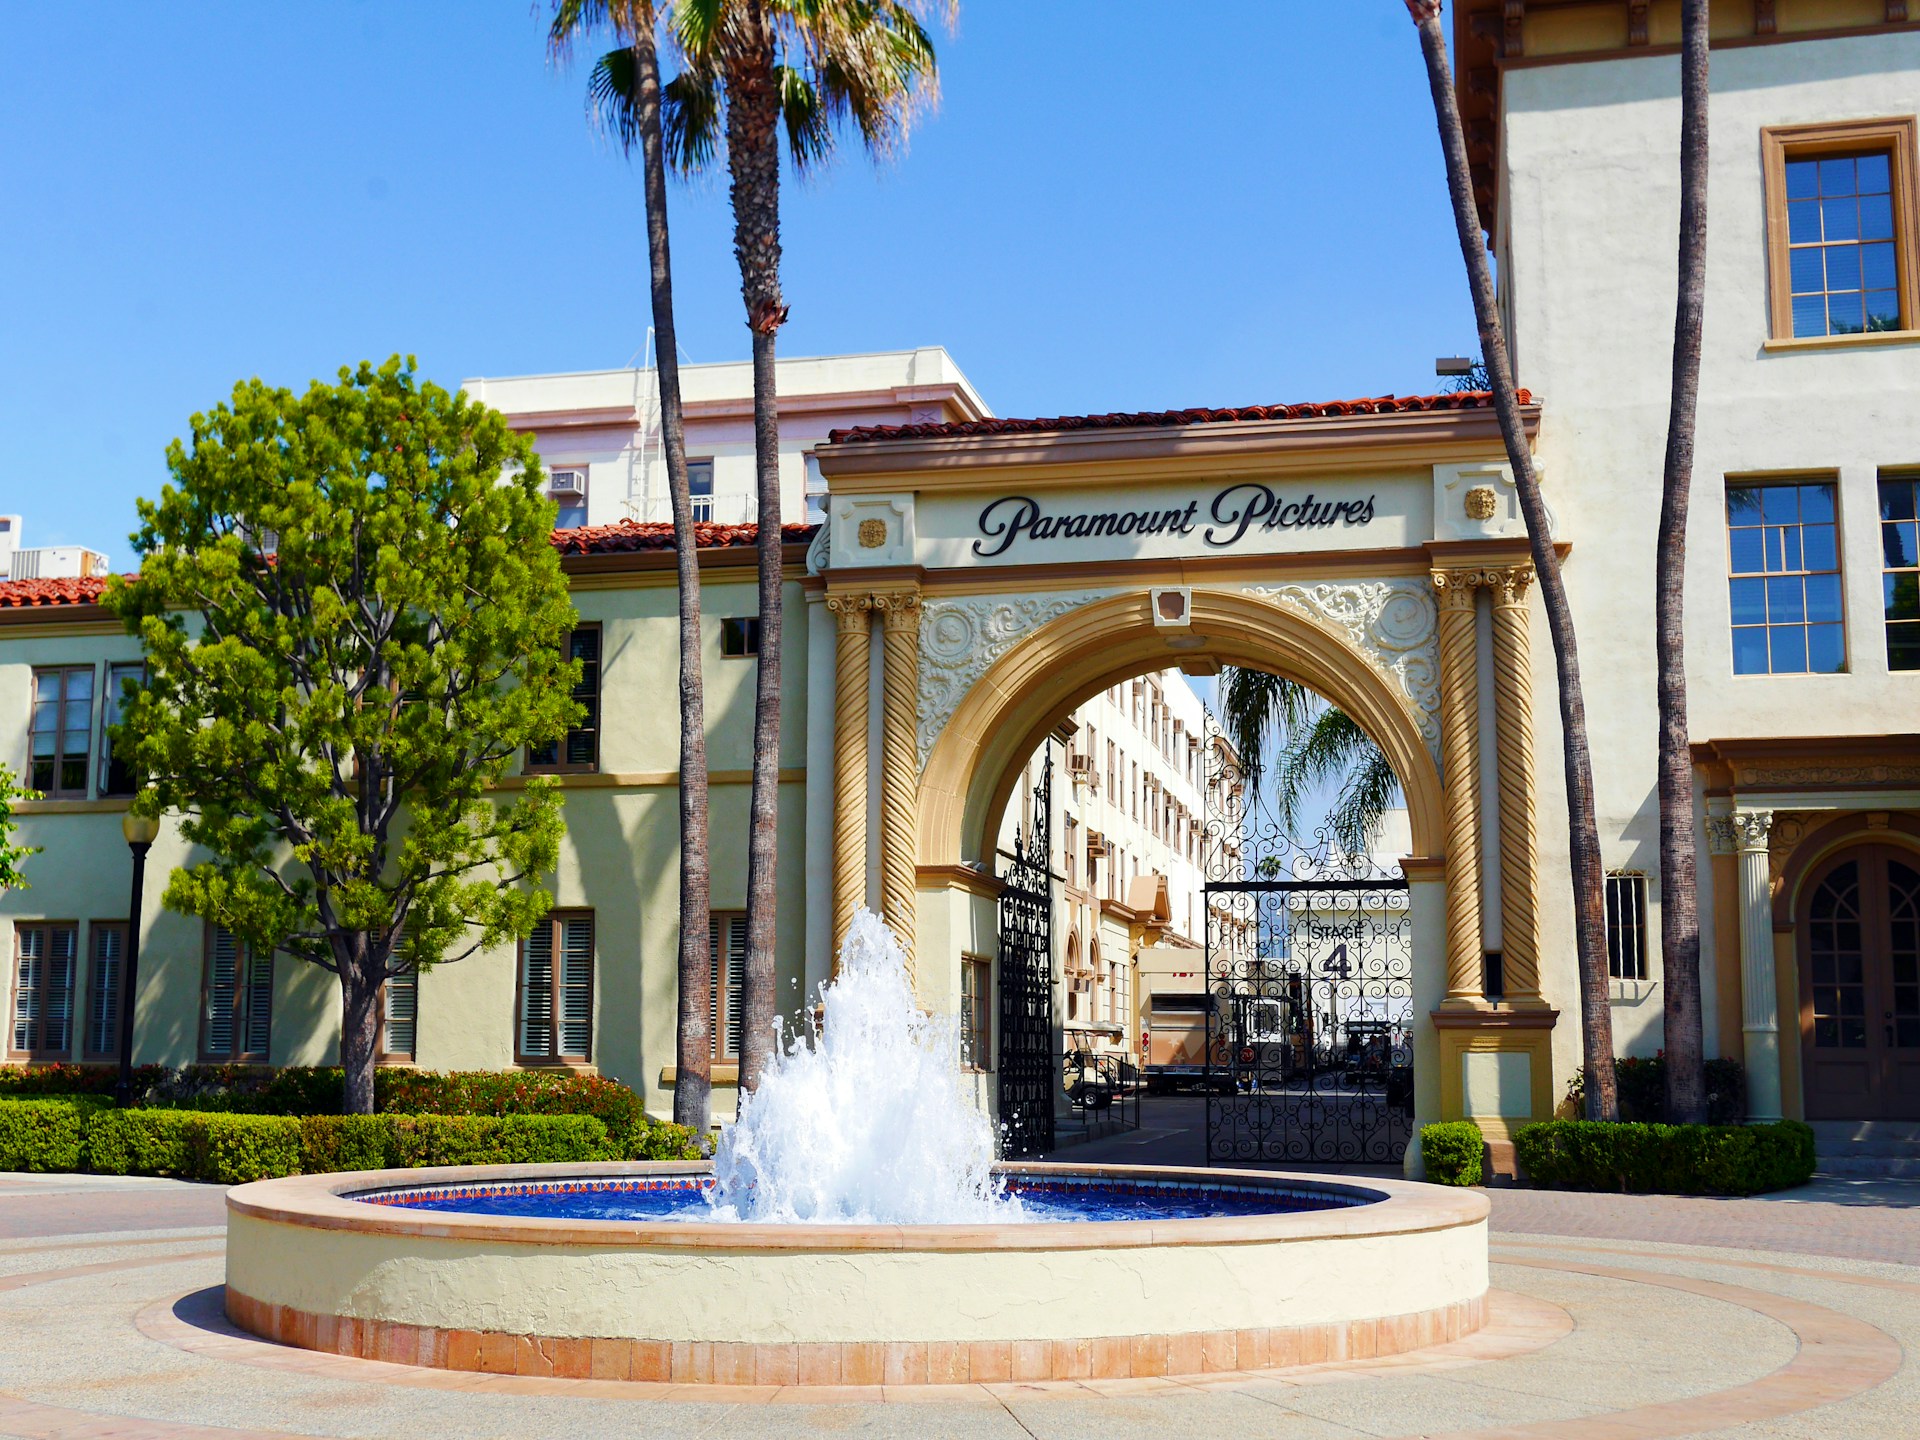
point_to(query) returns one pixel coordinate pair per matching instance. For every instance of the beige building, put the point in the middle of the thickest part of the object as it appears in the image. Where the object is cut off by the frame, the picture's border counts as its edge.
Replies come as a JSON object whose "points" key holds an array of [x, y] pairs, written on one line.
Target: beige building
{"points": [[978, 586]]}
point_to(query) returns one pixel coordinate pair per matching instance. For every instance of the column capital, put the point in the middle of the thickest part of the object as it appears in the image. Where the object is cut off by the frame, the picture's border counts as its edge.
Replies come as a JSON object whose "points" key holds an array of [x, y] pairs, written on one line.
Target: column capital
{"points": [[1751, 830], [1721, 838], [1509, 584], [899, 610], [1454, 588], [852, 608]]}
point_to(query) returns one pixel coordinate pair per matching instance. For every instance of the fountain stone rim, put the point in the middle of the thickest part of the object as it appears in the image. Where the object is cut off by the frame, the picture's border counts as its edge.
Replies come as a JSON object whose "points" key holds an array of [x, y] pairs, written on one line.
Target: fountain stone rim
{"points": [[326, 1202]]}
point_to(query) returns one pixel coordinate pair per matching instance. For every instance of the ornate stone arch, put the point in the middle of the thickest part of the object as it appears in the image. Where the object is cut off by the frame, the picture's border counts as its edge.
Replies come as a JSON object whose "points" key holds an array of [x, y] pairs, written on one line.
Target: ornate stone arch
{"points": [[1036, 684]]}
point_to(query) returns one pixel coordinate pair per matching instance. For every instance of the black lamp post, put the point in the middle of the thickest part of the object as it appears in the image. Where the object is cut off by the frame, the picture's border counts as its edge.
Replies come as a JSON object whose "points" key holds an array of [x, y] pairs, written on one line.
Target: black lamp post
{"points": [[140, 832]]}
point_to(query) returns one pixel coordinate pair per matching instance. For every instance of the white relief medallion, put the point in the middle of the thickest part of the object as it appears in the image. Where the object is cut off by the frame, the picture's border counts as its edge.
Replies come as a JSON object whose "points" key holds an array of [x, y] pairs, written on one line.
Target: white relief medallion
{"points": [[961, 639], [1394, 623]]}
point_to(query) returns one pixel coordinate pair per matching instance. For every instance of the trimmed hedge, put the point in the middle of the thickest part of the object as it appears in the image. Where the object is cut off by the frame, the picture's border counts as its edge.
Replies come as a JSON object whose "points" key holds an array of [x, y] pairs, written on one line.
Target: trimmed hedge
{"points": [[1640, 1082], [45, 1135], [230, 1149], [1453, 1152], [1666, 1159], [321, 1091]]}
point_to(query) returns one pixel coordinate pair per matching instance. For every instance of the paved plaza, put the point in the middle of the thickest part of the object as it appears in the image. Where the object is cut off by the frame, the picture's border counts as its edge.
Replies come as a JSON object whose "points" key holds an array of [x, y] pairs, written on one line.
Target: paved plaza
{"points": [[1614, 1318]]}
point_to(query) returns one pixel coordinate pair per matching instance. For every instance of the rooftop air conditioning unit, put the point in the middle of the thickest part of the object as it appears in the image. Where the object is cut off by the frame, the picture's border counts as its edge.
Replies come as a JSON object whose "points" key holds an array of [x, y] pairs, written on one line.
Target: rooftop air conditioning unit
{"points": [[567, 485]]}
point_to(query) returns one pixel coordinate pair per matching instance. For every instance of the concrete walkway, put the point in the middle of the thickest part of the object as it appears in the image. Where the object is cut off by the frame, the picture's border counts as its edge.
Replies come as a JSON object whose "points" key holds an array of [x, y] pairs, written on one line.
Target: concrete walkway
{"points": [[1614, 1318]]}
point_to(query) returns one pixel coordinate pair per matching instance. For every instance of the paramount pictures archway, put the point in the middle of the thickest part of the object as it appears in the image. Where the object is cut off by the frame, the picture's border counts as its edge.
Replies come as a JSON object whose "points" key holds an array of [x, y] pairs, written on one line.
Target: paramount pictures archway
{"points": [[979, 589]]}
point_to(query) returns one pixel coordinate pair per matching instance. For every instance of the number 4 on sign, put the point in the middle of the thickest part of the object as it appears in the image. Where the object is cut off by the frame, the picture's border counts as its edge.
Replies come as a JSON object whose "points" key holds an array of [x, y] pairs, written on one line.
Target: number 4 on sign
{"points": [[1337, 963]]}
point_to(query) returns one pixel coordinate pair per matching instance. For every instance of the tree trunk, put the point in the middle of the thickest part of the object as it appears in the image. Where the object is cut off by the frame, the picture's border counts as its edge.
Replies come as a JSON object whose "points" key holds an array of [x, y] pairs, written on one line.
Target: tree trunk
{"points": [[693, 1051], [1679, 881], [753, 162], [360, 977], [1589, 897]]}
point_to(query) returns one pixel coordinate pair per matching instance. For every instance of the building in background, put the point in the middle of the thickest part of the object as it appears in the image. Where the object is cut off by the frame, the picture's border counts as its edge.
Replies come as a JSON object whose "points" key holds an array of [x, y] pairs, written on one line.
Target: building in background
{"points": [[46, 562]]}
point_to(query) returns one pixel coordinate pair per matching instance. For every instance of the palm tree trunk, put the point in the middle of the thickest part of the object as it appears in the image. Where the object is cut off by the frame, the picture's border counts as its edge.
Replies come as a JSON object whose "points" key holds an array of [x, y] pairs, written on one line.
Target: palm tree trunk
{"points": [[693, 1050], [1589, 898], [1679, 882], [753, 163]]}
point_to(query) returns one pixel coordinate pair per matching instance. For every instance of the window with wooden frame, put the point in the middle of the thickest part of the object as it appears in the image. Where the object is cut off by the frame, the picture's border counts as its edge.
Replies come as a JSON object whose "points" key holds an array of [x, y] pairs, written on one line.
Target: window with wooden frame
{"points": [[61, 735], [1784, 592], [976, 1013], [740, 637], [116, 776], [580, 751], [106, 986], [727, 955], [46, 954], [399, 1019], [1900, 576], [236, 1013], [1841, 218], [554, 1004]]}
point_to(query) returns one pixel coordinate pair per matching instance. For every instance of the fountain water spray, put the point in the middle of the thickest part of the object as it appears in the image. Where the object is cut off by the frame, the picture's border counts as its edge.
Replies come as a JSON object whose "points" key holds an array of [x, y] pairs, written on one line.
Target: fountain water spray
{"points": [[866, 1122]]}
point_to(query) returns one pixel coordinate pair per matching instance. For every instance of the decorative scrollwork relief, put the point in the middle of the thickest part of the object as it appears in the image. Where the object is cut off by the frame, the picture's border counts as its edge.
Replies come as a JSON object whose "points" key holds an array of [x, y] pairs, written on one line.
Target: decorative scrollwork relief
{"points": [[961, 639], [1393, 623]]}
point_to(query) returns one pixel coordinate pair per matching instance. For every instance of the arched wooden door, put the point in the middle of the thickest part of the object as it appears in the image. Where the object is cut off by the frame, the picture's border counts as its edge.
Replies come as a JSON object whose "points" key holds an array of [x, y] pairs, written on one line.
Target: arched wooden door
{"points": [[1859, 944]]}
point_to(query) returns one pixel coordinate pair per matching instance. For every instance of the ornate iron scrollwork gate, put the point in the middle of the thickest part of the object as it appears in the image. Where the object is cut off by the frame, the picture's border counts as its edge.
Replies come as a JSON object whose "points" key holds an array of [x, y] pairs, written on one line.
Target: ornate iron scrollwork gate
{"points": [[1310, 966], [1027, 1063]]}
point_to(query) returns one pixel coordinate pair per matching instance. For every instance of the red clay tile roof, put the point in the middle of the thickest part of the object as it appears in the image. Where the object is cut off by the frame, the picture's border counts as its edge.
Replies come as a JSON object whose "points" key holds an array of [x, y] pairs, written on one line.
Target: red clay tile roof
{"points": [[625, 535], [658, 535], [20, 594], [1324, 410]]}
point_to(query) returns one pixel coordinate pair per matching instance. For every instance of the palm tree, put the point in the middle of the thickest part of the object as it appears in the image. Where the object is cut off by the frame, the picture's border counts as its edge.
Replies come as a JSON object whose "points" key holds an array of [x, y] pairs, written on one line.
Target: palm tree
{"points": [[1679, 882], [758, 70], [1583, 847], [1318, 742], [625, 97]]}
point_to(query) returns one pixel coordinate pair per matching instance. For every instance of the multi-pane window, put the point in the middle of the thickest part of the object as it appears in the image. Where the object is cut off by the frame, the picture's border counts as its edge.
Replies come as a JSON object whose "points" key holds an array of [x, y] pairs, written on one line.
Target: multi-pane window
{"points": [[581, 749], [740, 637], [1627, 925], [62, 731], [116, 777], [976, 1014], [1842, 266], [106, 983], [555, 1003], [399, 1016], [1840, 228], [700, 488], [727, 954], [237, 1016], [1784, 551], [46, 955], [1900, 551]]}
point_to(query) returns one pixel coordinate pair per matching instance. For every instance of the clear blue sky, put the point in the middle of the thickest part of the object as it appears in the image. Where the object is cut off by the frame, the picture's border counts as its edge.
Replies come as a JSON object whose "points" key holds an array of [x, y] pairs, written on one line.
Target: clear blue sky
{"points": [[1110, 210]]}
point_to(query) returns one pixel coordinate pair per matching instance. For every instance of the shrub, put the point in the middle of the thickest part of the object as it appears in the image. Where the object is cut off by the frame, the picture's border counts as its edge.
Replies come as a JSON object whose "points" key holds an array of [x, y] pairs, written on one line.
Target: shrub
{"points": [[233, 1149], [142, 1142], [330, 1143], [43, 1135], [1452, 1151], [61, 1078], [1641, 1082], [497, 1139], [1666, 1159]]}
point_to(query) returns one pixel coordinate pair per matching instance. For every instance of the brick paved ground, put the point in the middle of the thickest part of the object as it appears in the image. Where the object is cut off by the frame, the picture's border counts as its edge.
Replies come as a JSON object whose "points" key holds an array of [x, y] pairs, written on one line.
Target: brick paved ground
{"points": [[1613, 1320]]}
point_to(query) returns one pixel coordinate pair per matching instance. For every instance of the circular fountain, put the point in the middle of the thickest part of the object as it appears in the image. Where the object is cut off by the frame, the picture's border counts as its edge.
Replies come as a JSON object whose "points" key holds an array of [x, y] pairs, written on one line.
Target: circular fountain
{"points": [[853, 1229]]}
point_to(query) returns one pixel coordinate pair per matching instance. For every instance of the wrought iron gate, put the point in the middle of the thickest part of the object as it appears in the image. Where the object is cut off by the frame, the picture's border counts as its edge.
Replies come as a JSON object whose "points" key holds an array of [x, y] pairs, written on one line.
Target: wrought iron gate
{"points": [[1310, 969], [1027, 1065]]}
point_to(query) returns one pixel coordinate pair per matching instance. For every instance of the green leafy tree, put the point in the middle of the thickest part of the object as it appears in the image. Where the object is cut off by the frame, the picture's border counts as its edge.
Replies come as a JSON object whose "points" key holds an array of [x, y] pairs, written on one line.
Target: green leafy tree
{"points": [[1318, 743], [757, 74], [352, 612], [13, 855]]}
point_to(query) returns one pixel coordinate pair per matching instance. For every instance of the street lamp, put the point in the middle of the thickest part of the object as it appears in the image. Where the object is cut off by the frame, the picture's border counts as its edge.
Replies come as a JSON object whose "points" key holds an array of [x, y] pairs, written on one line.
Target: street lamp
{"points": [[141, 833]]}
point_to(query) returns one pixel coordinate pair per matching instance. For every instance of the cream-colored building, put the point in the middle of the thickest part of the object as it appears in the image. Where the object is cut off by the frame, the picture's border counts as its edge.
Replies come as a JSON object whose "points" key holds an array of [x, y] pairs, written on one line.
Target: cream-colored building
{"points": [[979, 585]]}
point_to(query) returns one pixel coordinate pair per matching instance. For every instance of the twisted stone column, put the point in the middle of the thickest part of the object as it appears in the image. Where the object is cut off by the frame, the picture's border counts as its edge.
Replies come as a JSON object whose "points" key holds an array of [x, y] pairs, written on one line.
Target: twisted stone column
{"points": [[900, 617], [1460, 766], [1760, 1010], [854, 617], [1513, 744]]}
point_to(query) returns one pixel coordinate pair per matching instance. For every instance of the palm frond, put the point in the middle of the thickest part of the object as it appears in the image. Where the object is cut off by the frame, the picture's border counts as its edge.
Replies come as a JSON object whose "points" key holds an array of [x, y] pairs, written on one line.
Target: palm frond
{"points": [[1257, 704], [1371, 790], [807, 117], [1332, 745], [613, 97], [691, 122]]}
